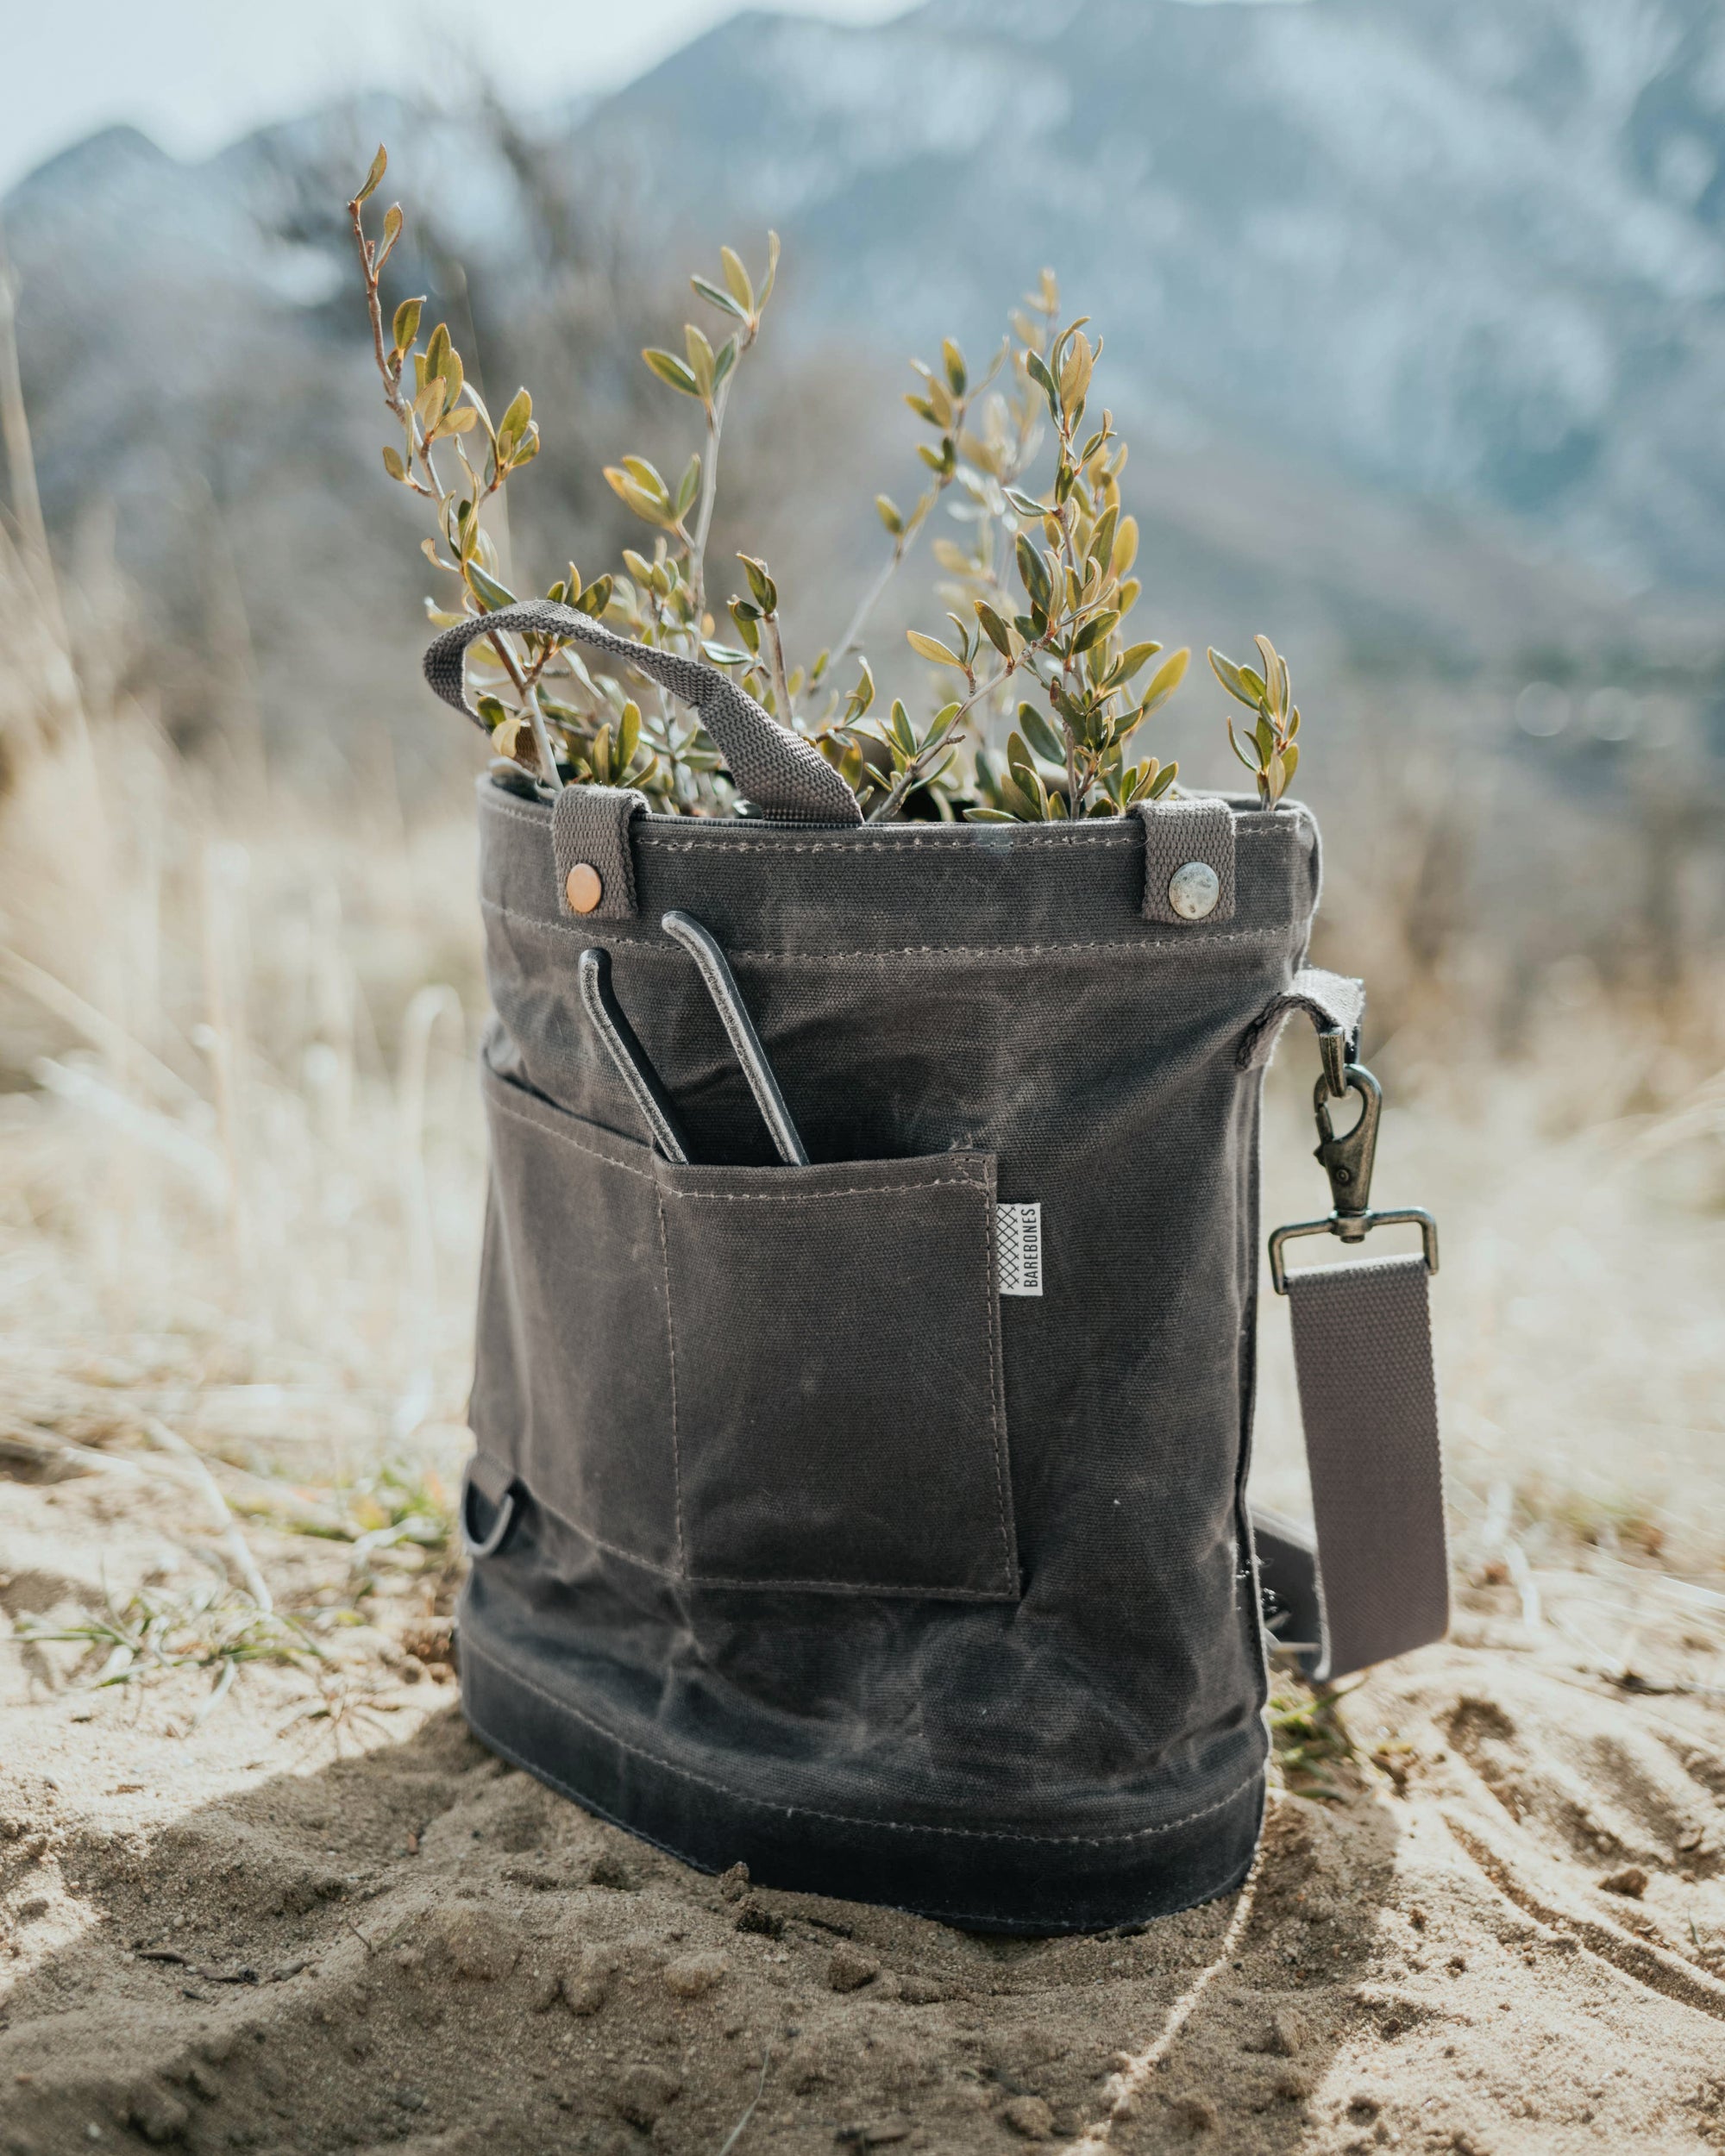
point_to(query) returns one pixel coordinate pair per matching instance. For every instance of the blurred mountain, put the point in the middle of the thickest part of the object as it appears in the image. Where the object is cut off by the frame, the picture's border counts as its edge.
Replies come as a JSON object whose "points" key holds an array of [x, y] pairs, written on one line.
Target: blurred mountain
{"points": [[1468, 252], [1414, 311]]}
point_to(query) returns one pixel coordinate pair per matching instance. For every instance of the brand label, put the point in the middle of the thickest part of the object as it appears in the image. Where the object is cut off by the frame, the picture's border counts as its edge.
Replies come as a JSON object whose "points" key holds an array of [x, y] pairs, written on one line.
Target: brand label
{"points": [[1018, 1241]]}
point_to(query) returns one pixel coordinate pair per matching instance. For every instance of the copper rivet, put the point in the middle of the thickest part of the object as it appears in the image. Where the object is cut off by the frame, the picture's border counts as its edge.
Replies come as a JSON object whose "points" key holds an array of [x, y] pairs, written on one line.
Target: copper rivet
{"points": [[583, 888]]}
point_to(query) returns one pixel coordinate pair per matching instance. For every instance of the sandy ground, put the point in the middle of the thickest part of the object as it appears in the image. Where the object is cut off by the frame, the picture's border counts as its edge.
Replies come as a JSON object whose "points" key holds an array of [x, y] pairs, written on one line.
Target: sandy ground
{"points": [[316, 1915]]}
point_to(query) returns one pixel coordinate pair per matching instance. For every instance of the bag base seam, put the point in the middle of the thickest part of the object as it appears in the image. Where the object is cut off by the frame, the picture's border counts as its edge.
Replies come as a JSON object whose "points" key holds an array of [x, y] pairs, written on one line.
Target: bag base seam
{"points": [[467, 1646]]}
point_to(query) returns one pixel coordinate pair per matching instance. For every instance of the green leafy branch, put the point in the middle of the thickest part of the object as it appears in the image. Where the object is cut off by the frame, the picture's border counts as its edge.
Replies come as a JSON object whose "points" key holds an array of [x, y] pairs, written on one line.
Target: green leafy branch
{"points": [[1271, 752], [1040, 589]]}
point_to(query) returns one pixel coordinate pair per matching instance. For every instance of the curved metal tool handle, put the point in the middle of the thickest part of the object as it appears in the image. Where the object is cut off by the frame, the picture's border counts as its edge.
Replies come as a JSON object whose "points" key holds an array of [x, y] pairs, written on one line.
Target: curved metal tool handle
{"points": [[703, 947], [625, 1052]]}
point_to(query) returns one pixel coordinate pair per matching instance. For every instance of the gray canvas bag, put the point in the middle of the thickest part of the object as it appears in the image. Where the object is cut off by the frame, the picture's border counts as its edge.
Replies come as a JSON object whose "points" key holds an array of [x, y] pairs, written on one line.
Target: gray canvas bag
{"points": [[880, 1522]]}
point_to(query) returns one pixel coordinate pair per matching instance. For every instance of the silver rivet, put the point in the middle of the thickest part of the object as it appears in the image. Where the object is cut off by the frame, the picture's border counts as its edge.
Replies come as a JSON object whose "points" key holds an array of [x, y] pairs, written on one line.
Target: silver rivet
{"points": [[1194, 889]]}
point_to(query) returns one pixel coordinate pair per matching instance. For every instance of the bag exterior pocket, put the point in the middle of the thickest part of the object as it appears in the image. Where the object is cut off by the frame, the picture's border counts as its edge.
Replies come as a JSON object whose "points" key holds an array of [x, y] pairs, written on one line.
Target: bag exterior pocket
{"points": [[839, 1415], [748, 1377]]}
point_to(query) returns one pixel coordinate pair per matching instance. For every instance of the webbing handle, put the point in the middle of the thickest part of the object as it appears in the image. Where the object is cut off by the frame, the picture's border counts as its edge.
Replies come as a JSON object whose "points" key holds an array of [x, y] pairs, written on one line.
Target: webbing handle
{"points": [[779, 771]]}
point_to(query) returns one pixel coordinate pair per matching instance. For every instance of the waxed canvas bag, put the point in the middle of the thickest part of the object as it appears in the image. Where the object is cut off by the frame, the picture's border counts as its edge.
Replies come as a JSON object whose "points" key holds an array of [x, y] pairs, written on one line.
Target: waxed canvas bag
{"points": [[880, 1522]]}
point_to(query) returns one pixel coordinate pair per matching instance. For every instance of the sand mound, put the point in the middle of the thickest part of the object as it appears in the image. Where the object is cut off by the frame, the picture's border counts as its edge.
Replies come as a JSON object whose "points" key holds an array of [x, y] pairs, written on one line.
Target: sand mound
{"points": [[1499, 1930]]}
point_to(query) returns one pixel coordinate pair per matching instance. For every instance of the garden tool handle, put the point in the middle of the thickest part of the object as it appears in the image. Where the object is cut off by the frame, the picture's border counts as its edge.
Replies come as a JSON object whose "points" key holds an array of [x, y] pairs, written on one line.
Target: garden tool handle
{"points": [[776, 769], [642, 1082], [720, 983]]}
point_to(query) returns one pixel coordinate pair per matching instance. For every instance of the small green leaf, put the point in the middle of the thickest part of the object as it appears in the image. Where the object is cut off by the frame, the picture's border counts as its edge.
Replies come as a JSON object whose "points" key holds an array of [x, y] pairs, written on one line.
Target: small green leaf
{"points": [[887, 511], [406, 326], [1034, 572], [953, 360], [737, 279], [1040, 375], [1095, 631], [715, 297], [1164, 682], [931, 647], [1040, 735], [687, 487], [1233, 680], [374, 177], [486, 590], [669, 368], [994, 629], [1134, 657], [761, 583], [392, 462]]}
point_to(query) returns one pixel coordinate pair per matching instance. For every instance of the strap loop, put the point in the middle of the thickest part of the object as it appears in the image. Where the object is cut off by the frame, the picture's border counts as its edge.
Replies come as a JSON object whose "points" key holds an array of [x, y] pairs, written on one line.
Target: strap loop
{"points": [[776, 769]]}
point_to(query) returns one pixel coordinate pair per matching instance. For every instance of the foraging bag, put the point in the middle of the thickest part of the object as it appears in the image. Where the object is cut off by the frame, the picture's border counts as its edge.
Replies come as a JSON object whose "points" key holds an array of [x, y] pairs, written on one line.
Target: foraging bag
{"points": [[880, 1522]]}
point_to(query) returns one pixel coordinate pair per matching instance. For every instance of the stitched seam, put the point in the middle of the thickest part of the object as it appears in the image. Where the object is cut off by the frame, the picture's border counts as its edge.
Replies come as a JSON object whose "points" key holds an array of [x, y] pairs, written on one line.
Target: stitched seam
{"points": [[1122, 838], [671, 1338], [678, 1576], [991, 1307], [469, 1646], [1198, 940], [809, 1197], [768, 1583], [728, 1197], [612, 1549], [665, 843], [565, 1138], [520, 816], [591, 1804]]}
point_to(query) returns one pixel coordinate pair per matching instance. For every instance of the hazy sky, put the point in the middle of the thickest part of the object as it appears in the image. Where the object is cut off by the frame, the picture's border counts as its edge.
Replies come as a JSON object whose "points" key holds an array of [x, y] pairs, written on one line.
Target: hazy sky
{"points": [[196, 73]]}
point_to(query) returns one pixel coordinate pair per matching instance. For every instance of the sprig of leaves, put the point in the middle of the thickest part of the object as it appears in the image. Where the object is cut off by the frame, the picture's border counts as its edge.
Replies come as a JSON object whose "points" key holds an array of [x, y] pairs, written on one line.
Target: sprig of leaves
{"points": [[1053, 685], [1271, 752], [1057, 616]]}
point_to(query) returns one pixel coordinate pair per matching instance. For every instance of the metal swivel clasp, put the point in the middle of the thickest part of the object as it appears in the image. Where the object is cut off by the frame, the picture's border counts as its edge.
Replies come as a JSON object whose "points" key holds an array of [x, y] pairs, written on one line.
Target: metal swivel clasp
{"points": [[1347, 1161]]}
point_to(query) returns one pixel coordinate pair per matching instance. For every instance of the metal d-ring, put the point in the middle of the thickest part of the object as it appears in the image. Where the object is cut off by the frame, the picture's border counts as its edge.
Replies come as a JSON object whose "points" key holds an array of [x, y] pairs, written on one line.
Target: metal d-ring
{"points": [[489, 1543]]}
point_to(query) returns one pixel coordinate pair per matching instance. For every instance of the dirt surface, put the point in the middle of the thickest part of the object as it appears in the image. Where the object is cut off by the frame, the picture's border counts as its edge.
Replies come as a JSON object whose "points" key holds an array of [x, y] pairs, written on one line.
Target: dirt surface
{"points": [[315, 1915]]}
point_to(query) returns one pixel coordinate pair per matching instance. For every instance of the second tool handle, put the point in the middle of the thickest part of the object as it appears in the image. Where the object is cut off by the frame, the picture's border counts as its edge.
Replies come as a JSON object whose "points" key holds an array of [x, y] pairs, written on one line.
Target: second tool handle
{"points": [[703, 947]]}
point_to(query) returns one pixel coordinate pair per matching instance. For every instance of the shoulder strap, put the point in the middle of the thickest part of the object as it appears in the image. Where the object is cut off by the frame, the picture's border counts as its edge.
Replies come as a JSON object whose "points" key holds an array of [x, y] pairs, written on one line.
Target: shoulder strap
{"points": [[1369, 1578], [778, 770]]}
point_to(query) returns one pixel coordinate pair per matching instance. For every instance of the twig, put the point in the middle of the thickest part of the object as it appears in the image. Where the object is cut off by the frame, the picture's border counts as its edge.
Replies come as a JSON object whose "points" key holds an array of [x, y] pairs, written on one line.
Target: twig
{"points": [[171, 1441], [736, 2133], [20, 463], [709, 493], [775, 653], [100, 1031]]}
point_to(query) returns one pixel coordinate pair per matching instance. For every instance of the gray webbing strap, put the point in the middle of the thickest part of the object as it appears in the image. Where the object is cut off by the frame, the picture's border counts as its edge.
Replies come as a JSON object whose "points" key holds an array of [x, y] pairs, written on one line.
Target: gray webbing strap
{"points": [[776, 769], [1374, 1579]]}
